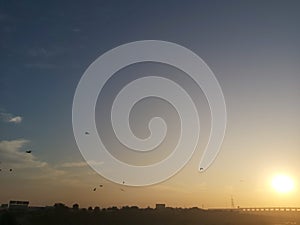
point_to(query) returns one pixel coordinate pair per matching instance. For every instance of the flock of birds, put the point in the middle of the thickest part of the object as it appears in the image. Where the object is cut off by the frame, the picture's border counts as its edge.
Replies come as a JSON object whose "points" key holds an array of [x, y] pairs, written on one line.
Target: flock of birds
{"points": [[95, 189]]}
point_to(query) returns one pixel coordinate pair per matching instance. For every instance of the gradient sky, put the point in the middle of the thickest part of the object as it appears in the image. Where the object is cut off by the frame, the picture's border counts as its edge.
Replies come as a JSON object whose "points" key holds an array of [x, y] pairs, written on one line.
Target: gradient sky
{"points": [[253, 48]]}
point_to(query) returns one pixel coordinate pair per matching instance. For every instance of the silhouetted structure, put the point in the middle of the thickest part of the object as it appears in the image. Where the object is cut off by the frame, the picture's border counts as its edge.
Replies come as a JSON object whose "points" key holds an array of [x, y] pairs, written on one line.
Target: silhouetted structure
{"points": [[160, 206], [18, 205], [270, 209]]}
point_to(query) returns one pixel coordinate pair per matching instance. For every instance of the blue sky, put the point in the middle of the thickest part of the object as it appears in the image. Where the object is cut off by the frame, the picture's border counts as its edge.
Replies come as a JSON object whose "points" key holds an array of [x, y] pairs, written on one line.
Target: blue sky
{"points": [[252, 47]]}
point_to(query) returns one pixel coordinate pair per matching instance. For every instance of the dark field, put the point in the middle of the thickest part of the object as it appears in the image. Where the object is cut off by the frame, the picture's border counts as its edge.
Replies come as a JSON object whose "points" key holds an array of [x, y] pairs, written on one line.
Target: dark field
{"points": [[134, 216]]}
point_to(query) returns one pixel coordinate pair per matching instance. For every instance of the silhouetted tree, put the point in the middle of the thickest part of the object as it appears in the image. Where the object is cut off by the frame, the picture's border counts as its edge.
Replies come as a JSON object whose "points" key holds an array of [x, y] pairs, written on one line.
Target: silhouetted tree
{"points": [[97, 209], [75, 206], [114, 208], [60, 206]]}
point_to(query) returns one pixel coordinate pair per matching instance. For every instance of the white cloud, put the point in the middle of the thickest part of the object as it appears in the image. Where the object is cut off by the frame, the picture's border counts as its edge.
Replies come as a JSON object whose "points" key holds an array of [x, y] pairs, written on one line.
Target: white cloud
{"points": [[16, 119], [12, 155], [10, 118]]}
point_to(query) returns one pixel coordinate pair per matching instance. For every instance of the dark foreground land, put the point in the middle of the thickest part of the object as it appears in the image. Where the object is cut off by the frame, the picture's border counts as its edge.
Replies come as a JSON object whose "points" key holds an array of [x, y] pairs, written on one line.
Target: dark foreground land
{"points": [[133, 216]]}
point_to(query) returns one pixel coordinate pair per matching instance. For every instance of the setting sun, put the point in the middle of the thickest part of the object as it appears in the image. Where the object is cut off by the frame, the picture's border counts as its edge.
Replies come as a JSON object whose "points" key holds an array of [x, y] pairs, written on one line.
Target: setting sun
{"points": [[282, 183]]}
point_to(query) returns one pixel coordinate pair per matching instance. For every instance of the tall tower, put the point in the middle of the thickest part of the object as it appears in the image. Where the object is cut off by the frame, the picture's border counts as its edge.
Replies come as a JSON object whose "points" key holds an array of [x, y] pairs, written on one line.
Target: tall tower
{"points": [[232, 202]]}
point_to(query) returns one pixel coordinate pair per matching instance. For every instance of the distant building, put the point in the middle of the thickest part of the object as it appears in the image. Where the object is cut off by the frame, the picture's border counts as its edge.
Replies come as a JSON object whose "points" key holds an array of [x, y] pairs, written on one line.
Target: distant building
{"points": [[18, 204], [160, 206]]}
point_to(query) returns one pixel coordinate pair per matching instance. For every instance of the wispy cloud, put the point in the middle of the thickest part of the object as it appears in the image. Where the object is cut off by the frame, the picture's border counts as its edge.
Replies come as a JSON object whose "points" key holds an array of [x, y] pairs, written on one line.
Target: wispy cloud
{"points": [[76, 29], [40, 65], [13, 156], [28, 167], [73, 164], [42, 52], [10, 118], [79, 164]]}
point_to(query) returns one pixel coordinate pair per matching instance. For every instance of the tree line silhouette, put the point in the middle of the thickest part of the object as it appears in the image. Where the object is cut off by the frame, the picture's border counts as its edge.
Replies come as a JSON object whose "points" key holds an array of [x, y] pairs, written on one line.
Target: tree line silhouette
{"points": [[60, 214]]}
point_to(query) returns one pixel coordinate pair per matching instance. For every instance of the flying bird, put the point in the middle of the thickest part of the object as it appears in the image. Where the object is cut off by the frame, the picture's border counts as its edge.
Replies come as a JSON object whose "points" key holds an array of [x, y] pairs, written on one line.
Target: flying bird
{"points": [[28, 151]]}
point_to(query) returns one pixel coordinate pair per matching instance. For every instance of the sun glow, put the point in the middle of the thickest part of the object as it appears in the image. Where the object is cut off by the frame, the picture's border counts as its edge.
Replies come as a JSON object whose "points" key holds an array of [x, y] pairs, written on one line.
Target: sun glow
{"points": [[283, 183]]}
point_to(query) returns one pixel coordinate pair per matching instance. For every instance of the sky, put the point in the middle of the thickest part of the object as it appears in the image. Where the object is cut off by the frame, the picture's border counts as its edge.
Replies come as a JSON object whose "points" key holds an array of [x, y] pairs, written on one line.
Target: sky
{"points": [[253, 48]]}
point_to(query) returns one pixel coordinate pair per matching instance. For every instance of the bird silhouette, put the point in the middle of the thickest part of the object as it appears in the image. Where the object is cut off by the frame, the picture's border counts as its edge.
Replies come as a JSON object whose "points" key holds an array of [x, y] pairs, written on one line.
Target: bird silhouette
{"points": [[28, 151]]}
